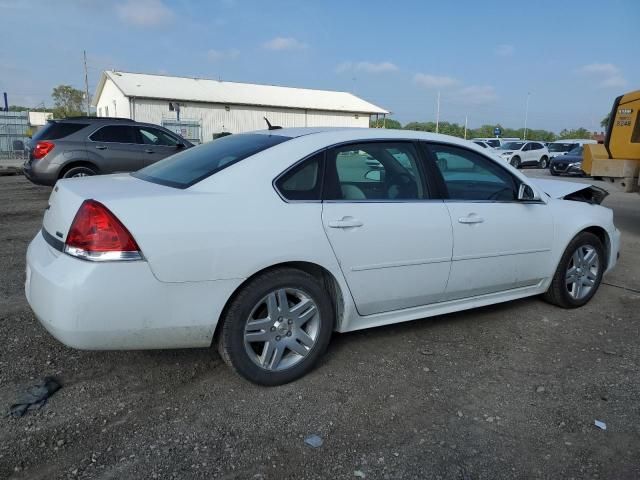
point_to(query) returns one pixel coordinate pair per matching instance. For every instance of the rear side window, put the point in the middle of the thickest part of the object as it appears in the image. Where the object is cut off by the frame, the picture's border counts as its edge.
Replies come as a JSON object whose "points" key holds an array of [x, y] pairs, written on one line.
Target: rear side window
{"points": [[57, 130], [303, 182], [195, 164], [115, 134]]}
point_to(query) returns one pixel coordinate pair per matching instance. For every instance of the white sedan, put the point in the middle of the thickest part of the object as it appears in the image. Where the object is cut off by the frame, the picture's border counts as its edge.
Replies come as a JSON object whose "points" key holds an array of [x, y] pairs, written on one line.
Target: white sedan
{"points": [[264, 243]]}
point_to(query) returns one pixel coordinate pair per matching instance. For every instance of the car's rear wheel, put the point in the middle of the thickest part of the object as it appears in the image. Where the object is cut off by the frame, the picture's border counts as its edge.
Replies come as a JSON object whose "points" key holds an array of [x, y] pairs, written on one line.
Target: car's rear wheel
{"points": [[544, 162], [515, 162], [79, 171], [579, 272], [277, 327]]}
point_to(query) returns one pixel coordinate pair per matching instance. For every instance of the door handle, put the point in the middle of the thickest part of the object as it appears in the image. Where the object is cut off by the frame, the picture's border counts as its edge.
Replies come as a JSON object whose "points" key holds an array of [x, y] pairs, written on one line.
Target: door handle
{"points": [[346, 222], [148, 150], [101, 147], [471, 219]]}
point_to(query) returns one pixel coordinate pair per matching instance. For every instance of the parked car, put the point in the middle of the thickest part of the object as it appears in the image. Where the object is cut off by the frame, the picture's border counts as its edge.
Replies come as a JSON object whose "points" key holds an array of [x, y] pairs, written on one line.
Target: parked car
{"points": [[264, 243], [568, 164], [483, 144], [525, 153], [492, 142], [561, 147], [85, 146]]}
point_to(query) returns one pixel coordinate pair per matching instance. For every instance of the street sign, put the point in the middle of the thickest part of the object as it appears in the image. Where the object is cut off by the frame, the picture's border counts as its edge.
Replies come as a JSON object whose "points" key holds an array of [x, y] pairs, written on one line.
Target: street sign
{"points": [[497, 131]]}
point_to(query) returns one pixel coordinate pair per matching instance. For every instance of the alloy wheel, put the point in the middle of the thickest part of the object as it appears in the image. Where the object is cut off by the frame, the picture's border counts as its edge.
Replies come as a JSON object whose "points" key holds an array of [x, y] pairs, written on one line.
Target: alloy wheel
{"points": [[281, 329], [582, 272]]}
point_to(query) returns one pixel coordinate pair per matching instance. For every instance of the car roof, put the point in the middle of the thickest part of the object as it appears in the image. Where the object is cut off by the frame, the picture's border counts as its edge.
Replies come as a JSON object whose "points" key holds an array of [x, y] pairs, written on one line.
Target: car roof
{"points": [[107, 120], [357, 133]]}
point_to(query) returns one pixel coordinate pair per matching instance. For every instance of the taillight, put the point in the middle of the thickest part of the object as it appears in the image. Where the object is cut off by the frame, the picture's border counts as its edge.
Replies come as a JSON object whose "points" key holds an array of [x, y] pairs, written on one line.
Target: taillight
{"points": [[42, 149], [97, 234]]}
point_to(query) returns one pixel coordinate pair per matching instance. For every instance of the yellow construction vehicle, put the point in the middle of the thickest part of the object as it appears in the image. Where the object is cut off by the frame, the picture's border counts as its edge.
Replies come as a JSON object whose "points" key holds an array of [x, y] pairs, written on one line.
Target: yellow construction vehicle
{"points": [[618, 159]]}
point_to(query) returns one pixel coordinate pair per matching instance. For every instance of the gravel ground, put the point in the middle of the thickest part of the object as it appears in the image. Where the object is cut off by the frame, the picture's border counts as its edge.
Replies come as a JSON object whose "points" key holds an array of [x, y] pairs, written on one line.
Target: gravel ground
{"points": [[508, 391]]}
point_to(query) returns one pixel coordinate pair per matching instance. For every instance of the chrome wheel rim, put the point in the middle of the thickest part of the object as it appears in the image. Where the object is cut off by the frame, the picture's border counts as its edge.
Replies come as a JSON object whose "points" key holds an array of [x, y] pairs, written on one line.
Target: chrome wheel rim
{"points": [[582, 272], [281, 329]]}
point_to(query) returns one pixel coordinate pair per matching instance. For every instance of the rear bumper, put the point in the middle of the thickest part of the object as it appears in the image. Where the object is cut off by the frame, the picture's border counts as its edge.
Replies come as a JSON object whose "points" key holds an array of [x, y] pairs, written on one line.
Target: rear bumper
{"points": [[119, 305], [35, 175]]}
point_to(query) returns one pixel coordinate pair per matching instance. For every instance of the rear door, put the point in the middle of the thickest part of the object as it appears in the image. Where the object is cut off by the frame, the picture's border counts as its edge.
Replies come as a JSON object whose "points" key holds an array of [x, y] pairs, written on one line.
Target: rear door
{"points": [[157, 144], [117, 148], [393, 243], [500, 243]]}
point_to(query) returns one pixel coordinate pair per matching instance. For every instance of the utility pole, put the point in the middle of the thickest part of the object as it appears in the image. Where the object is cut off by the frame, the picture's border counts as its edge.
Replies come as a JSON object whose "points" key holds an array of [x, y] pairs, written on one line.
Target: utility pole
{"points": [[526, 115], [438, 113], [466, 118], [86, 80]]}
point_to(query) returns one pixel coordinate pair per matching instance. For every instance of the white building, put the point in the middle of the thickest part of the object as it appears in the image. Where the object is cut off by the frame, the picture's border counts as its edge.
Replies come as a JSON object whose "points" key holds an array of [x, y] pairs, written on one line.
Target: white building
{"points": [[200, 109]]}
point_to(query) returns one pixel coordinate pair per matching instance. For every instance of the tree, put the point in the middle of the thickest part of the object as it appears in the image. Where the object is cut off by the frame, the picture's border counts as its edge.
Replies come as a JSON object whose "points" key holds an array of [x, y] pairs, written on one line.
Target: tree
{"points": [[574, 133], [68, 101], [388, 123], [604, 123], [20, 108]]}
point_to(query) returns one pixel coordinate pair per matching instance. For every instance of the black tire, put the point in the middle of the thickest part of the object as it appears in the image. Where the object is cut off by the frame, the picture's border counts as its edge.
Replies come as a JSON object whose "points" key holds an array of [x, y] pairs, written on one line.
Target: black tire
{"points": [[515, 162], [557, 294], [79, 171], [230, 340], [544, 162], [553, 173]]}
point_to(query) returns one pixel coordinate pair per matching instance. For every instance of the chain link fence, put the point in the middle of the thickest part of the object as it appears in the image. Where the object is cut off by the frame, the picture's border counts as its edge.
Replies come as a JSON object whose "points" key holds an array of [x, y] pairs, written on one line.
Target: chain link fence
{"points": [[14, 134]]}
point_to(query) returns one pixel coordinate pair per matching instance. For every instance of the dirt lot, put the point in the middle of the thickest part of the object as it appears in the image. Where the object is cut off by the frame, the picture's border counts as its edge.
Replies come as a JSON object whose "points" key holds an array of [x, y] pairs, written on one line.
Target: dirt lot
{"points": [[509, 391]]}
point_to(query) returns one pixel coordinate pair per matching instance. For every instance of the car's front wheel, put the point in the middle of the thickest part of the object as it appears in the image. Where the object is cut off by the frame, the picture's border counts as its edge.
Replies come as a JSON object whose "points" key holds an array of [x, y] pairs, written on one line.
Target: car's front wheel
{"points": [[515, 162], [579, 272], [277, 327]]}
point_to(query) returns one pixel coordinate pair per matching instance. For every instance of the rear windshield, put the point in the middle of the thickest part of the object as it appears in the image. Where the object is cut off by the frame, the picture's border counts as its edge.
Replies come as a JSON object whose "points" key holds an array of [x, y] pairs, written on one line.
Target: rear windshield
{"points": [[195, 164], [56, 130]]}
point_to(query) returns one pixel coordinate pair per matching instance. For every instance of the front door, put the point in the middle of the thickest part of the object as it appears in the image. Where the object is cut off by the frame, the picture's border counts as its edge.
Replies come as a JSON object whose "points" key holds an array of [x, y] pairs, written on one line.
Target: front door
{"points": [[157, 144], [499, 242], [392, 242]]}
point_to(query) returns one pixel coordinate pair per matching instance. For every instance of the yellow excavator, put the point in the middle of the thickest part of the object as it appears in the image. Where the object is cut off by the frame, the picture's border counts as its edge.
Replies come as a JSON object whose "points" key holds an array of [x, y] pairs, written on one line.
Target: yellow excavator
{"points": [[618, 159]]}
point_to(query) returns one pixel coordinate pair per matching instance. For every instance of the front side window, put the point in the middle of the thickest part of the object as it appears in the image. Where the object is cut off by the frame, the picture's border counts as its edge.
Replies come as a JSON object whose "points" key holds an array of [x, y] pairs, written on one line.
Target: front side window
{"points": [[482, 144], [303, 181], [115, 134], [195, 164], [635, 135], [373, 171], [153, 136], [468, 175], [494, 143]]}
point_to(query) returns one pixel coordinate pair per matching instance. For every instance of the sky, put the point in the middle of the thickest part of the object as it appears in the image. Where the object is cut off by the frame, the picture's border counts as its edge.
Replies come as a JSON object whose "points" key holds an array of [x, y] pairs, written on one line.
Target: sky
{"points": [[569, 58]]}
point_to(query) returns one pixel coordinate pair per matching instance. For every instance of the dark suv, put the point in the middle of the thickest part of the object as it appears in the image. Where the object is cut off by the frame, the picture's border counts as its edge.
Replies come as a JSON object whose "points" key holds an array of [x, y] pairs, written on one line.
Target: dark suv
{"points": [[82, 146]]}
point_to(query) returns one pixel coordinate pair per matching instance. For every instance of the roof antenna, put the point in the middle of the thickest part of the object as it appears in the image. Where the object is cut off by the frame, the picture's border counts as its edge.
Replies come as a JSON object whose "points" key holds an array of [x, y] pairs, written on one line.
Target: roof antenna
{"points": [[271, 127]]}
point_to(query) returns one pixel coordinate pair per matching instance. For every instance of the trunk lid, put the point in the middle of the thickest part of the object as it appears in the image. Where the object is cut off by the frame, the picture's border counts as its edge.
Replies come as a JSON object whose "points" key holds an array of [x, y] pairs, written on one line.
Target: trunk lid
{"points": [[67, 196]]}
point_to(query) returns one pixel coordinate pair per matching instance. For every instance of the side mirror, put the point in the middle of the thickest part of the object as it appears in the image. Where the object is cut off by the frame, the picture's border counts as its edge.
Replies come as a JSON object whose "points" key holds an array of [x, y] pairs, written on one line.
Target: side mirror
{"points": [[373, 175], [180, 145], [526, 193]]}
